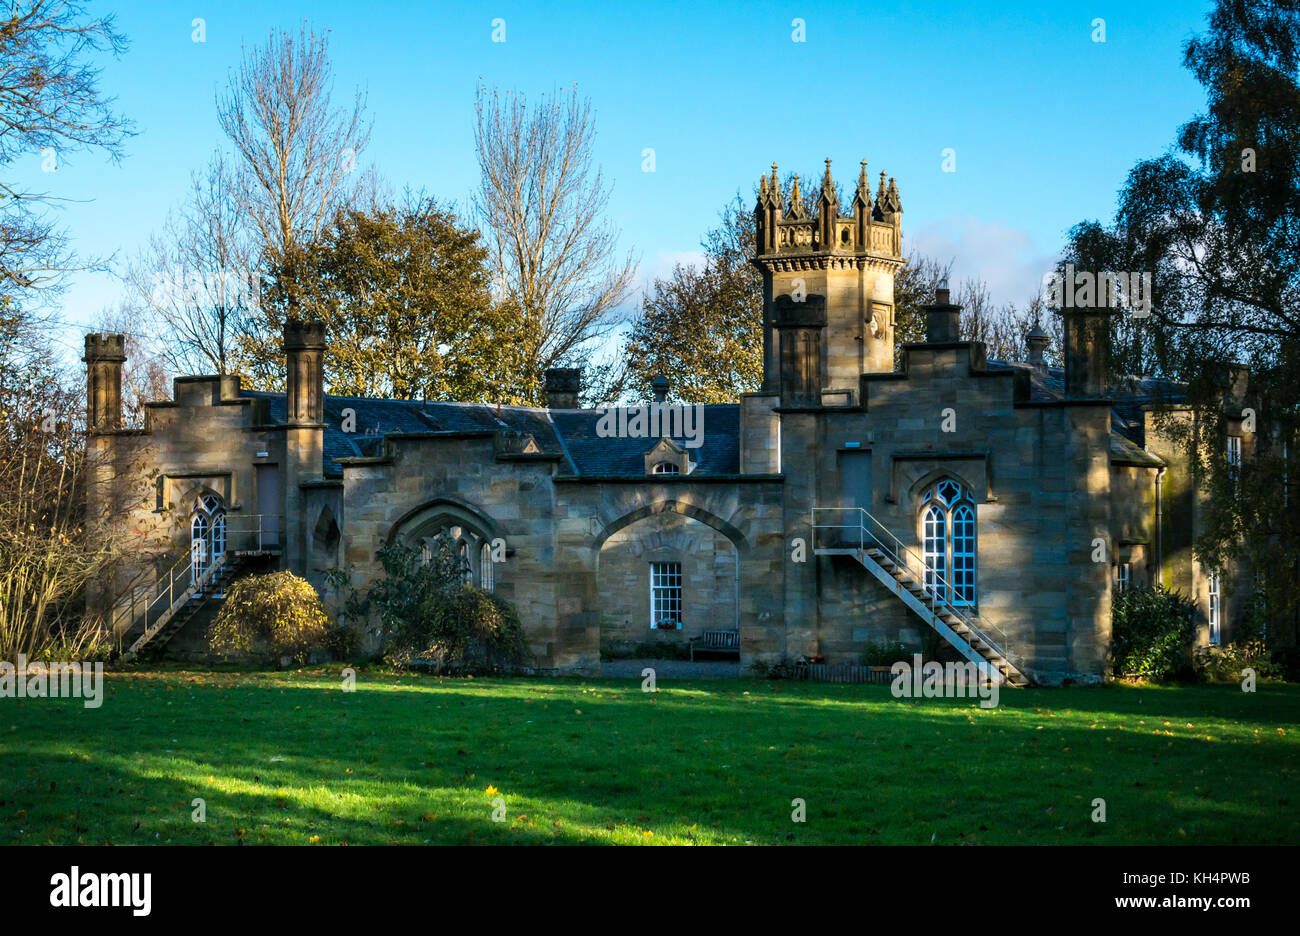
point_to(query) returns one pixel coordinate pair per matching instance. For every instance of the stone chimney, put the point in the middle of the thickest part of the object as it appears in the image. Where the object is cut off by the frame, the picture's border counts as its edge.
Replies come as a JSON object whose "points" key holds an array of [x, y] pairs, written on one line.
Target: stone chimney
{"points": [[304, 352], [1087, 353], [942, 317], [1036, 344], [660, 387], [799, 327], [562, 386], [105, 355]]}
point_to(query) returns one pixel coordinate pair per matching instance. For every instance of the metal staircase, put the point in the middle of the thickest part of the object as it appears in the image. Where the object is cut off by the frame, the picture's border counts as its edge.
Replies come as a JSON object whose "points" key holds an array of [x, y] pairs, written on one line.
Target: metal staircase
{"points": [[152, 615], [863, 537]]}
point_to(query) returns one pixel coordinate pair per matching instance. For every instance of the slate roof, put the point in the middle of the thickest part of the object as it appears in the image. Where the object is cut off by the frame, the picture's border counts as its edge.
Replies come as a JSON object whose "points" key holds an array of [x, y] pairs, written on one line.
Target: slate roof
{"points": [[569, 433], [378, 418], [718, 453], [572, 434]]}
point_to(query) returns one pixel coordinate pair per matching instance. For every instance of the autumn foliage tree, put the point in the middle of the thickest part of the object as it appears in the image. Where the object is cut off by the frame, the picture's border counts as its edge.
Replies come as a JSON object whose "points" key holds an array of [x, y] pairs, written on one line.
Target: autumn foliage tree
{"points": [[403, 292]]}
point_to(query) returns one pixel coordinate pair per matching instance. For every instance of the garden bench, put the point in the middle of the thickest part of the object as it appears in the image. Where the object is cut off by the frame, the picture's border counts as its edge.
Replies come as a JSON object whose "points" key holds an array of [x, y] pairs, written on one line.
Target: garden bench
{"points": [[716, 641]]}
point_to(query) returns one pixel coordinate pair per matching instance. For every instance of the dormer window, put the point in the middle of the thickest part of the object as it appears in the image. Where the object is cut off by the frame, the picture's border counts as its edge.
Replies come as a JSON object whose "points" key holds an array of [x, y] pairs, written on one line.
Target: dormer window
{"points": [[668, 458]]}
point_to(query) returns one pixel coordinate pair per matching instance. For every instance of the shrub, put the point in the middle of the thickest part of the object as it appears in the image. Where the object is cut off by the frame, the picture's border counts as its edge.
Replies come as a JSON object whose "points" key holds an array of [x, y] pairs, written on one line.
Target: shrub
{"points": [[885, 653], [432, 617], [1288, 660], [1151, 633], [278, 609], [1224, 664], [342, 642]]}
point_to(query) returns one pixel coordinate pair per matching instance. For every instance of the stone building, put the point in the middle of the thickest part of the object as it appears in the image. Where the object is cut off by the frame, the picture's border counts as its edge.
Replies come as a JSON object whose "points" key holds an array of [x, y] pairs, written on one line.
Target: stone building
{"points": [[991, 508]]}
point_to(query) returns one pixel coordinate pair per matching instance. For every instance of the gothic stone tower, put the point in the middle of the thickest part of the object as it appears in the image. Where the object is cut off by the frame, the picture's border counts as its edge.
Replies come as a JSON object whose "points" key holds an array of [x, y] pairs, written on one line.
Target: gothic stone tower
{"points": [[850, 260]]}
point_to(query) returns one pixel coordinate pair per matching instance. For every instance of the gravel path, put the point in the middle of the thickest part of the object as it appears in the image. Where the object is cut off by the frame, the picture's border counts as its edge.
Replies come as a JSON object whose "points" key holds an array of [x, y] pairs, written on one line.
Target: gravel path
{"points": [[670, 669]]}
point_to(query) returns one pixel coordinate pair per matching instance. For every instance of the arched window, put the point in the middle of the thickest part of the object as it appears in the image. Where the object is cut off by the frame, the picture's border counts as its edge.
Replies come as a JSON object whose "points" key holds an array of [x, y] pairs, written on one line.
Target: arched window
{"points": [[486, 579], [207, 535], [664, 467], [466, 569], [948, 541]]}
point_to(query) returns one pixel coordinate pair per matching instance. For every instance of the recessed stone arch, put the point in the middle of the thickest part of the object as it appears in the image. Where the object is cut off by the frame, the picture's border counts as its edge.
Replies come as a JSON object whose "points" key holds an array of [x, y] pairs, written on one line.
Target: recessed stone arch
{"points": [[673, 506], [325, 539], [439, 513], [973, 471], [469, 527], [666, 542]]}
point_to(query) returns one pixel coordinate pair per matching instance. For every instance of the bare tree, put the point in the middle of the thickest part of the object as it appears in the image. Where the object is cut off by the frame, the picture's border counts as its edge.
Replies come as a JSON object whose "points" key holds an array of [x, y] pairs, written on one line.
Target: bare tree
{"points": [[1003, 328], [50, 104], [541, 204], [196, 281], [146, 377], [295, 150]]}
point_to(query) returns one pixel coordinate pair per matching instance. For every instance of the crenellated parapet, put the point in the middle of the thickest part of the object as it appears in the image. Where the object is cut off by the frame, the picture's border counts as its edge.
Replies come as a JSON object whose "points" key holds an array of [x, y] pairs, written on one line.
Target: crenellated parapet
{"points": [[788, 239]]}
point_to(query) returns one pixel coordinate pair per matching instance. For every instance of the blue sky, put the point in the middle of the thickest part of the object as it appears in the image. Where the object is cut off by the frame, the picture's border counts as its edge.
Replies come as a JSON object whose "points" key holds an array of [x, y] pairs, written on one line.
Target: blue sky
{"points": [[1045, 122]]}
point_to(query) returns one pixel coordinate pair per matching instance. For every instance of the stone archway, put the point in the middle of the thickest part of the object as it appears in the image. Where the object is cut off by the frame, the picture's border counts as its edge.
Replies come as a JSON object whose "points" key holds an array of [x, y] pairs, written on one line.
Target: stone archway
{"points": [[664, 573], [469, 528]]}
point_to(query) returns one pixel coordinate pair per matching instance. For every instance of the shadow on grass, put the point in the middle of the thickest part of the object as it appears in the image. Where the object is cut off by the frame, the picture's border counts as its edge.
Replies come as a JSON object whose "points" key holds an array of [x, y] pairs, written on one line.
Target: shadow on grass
{"points": [[283, 757]]}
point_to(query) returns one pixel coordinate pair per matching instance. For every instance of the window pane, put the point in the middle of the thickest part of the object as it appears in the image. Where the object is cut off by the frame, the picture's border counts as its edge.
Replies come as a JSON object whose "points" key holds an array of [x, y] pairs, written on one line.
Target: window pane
{"points": [[486, 574], [963, 555], [666, 595], [934, 530]]}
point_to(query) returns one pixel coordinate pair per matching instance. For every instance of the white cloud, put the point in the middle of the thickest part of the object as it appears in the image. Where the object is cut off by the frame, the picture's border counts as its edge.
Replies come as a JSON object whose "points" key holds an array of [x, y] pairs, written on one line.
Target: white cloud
{"points": [[1005, 257], [661, 266]]}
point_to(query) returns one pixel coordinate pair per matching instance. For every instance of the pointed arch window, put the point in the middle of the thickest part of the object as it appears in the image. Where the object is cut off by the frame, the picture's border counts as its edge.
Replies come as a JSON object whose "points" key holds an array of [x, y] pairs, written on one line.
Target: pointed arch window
{"points": [[948, 541], [207, 535], [486, 578]]}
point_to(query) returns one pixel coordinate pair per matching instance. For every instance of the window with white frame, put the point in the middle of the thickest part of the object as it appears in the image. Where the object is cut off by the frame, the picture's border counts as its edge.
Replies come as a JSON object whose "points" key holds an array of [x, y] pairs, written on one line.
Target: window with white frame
{"points": [[1234, 456], [666, 595], [948, 541], [1215, 609], [207, 535], [664, 467], [1123, 572]]}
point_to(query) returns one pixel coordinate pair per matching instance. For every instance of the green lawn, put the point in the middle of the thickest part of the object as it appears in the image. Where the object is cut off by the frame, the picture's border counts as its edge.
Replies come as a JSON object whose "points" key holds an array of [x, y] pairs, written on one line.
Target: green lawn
{"points": [[289, 758]]}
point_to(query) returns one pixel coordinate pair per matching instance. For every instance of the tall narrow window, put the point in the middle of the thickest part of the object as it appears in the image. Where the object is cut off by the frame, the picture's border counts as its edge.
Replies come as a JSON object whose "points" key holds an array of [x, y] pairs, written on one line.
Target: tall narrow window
{"points": [[207, 535], [1234, 456], [963, 554], [1122, 573], [666, 595], [948, 542], [935, 524], [1215, 609], [466, 569], [486, 574]]}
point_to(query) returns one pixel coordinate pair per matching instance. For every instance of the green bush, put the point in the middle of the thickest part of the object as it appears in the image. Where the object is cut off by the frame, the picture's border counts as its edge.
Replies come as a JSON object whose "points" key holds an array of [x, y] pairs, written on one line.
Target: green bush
{"points": [[342, 642], [1224, 664], [278, 610], [432, 618], [1152, 630]]}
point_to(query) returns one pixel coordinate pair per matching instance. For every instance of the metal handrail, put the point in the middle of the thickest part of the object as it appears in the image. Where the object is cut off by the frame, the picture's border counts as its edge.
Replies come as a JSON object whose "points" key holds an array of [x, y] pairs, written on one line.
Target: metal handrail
{"points": [[1002, 646], [266, 534]]}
